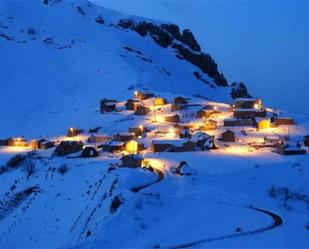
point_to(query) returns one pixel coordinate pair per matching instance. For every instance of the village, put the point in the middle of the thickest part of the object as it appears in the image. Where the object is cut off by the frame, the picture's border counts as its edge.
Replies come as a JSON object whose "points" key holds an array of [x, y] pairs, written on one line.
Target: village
{"points": [[179, 125]]}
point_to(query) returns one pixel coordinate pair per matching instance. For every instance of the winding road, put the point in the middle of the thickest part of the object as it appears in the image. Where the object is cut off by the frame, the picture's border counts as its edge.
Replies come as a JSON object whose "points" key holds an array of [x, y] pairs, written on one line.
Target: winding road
{"points": [[160, 175], [276, 220]]}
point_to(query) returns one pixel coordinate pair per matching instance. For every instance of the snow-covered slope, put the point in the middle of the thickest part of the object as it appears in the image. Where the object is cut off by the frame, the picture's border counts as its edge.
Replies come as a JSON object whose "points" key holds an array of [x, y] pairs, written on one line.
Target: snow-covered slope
{"points": [[61, 57]]}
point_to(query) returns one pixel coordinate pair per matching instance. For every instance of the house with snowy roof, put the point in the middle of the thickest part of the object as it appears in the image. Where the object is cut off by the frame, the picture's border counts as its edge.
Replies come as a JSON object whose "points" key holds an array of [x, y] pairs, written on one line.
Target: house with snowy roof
{"points": [[132, 161], [123, 136], [248, 103]]}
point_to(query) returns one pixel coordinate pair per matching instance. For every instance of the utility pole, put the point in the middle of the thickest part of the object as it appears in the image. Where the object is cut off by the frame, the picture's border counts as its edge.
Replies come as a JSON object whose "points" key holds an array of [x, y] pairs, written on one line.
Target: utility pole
{"points": [[154, 110]]}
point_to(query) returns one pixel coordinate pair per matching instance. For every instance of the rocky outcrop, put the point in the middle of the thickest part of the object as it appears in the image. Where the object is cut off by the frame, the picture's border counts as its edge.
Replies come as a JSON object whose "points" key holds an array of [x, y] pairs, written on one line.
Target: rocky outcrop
{"points": [[239, 90], [184, 44]]}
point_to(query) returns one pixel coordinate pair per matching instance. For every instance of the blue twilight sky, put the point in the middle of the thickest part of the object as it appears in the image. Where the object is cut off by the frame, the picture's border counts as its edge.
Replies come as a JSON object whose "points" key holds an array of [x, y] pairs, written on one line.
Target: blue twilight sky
{"points": [[263, 43]]}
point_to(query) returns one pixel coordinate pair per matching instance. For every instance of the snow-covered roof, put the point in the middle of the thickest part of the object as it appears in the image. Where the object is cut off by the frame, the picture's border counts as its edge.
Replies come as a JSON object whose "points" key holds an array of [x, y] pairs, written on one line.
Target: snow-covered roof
{"points": [[200, 135], [176, 142], [125, 133], [113, 143], [230, 119], [134, 156], [272, 138], [286, 118], [293, 148], [245, 100], [249, 110], [109, 103]]}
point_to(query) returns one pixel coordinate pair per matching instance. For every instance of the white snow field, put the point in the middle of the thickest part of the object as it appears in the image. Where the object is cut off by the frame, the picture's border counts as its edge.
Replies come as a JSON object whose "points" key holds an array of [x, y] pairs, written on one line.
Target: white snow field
{"points": [[237, 197]]}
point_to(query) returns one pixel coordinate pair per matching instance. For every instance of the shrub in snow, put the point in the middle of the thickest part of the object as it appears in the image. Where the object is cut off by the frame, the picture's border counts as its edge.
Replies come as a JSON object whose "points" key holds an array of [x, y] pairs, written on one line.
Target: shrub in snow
{"points": [[29, 167], [63, 169], [272, 192], [3, 169], [15, 161], [31, 31], [99, 20], [138, 204], [115, 204]]}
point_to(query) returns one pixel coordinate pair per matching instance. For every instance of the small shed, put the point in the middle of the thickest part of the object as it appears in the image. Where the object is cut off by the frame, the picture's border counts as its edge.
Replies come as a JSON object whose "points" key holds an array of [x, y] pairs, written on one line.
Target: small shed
{"points": [[272, 141], [180, 100], [137, 130], [204, 141], [145, 94], [89, 151], [132, 104], [94, 130], [287, 149], [306, 140], [98, 138], [186, 146], [45, 144], [203, 113], [228, 136], [68, 147], [284, 121], [108, 105], [142, 110], [17, 142], [124, 136], [34, 144], [210, 124], [183, 169], [177, 107], [4, 142], [73, 132], [172, 118], [113, 146], [263, 124], [159, 101], [132, 161], [162, 145], [239, 122]]}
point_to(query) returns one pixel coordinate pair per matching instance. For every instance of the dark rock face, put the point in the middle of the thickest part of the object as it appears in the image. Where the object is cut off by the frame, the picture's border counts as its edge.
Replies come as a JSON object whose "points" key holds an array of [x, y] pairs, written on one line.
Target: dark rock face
{"points": [[202, 61], [99, 19], [185, 45], [189, 39], [239, 90]]}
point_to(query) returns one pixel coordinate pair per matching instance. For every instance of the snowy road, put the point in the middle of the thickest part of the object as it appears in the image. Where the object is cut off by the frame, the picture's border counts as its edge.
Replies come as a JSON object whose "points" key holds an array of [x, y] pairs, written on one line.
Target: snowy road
{"points": [[277, 221], [160, 175]]}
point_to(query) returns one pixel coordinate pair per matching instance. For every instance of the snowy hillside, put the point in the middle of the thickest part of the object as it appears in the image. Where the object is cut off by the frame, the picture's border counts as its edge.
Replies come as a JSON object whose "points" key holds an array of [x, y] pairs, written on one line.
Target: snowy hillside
{"points": [[63, 56], [180, 165]]}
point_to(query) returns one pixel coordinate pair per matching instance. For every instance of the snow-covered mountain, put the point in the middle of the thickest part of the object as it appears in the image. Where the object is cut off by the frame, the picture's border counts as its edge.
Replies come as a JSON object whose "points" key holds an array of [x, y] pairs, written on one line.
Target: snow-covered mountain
{"points": [[259, 42], [63, 56], [59, 58]]}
